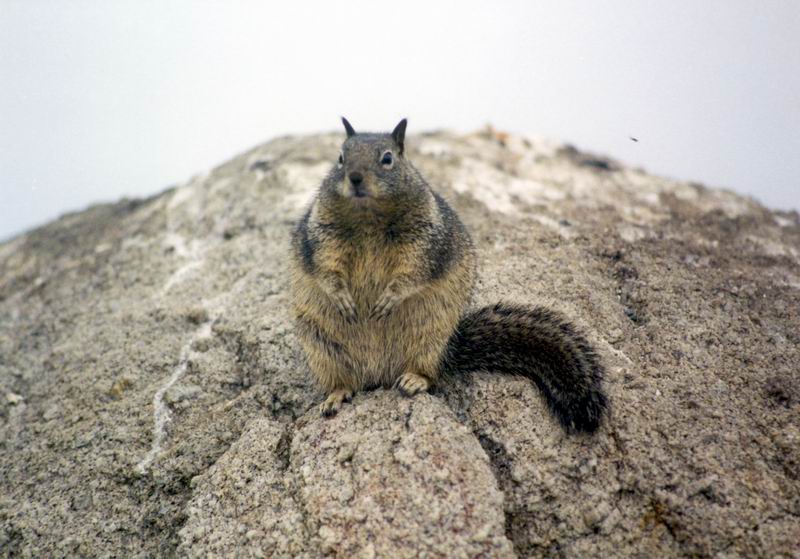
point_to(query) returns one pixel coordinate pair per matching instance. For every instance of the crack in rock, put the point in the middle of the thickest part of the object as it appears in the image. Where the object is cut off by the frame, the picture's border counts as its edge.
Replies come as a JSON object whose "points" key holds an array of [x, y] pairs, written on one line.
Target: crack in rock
{"points": [[501, 467]]}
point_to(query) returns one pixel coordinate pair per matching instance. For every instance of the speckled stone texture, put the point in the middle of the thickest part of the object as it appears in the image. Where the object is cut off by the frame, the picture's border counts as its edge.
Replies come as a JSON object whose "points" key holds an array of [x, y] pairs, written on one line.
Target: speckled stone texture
{"points": [[154, 400]]}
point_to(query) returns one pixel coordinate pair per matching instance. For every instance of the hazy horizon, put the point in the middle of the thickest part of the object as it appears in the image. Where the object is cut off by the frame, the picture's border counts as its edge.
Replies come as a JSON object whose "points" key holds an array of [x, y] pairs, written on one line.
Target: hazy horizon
{"points": [[105, 100]]}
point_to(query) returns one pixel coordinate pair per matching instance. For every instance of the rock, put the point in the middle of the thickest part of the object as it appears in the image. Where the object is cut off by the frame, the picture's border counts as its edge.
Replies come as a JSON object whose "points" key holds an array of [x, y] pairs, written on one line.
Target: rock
{"points": [[398, 502], [180, 393], [156, 400], [52, 412]]}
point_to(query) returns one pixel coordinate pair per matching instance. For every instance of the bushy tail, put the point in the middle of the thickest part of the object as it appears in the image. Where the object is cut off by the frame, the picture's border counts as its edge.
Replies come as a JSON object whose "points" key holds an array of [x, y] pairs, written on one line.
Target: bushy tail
{"points": [[539, 344]]}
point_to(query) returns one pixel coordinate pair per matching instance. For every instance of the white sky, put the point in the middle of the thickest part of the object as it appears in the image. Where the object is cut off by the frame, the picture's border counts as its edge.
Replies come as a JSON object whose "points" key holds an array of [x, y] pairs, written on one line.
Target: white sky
{"points": [[109, 98]]}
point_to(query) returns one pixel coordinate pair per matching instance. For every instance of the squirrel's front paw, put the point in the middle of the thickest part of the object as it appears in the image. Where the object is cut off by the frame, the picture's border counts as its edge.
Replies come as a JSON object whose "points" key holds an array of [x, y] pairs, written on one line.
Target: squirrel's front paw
{"points": [[344, 303], [385, 304]]}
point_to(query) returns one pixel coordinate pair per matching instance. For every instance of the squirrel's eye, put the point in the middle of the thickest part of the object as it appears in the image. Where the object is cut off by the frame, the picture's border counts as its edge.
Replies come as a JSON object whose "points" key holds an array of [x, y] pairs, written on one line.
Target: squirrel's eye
{"points": [[387, 159], [341, 158]]}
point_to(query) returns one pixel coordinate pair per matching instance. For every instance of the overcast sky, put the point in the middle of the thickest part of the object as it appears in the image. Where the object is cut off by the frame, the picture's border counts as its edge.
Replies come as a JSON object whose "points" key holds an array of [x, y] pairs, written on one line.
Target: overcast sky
{"points": [[100, 100]]}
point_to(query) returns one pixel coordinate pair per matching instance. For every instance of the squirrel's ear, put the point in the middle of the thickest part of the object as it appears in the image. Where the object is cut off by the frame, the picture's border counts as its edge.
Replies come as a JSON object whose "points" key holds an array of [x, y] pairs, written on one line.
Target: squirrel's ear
{"points": [[348, 128], [399, 134]]}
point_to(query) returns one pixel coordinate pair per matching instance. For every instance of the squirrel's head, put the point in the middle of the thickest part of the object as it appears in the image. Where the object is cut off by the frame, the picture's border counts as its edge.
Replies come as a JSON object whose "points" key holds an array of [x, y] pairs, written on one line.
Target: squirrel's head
{"points": [[372, 169]]}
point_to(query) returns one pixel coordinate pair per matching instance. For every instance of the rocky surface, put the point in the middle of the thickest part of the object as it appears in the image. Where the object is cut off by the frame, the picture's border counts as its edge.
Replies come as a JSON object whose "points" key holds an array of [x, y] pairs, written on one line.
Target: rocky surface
{"points": [[153, 399]]}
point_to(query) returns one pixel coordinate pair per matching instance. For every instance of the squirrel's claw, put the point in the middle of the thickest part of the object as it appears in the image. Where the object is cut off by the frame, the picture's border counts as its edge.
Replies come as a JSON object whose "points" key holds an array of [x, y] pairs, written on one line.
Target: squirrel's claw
{"points": [[386, 303], [345, 305]]}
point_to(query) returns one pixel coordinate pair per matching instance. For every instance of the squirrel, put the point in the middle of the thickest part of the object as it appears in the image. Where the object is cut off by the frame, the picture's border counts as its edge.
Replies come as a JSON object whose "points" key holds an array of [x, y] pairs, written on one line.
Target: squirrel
{"points": [[382, 270]]}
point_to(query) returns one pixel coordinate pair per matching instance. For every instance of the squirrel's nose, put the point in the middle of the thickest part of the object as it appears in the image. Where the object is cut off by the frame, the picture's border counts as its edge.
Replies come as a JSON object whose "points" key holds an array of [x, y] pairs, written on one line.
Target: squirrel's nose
{"points": [[356, 178]]}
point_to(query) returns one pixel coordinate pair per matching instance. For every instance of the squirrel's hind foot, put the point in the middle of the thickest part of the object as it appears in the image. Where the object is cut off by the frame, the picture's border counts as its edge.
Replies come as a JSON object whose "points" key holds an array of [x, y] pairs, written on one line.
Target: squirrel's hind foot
{"points": [[334, 401], [410, 384]]}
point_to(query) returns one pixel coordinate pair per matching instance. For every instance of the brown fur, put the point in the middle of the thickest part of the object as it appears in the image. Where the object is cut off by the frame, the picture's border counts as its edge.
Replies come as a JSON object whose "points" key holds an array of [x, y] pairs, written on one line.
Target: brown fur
{"points": [[370, 350]]}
